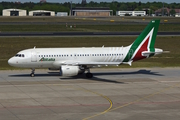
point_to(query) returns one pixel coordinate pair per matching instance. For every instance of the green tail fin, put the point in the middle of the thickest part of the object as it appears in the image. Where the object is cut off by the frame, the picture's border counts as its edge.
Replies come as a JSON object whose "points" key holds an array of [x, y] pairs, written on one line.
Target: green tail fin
{"points": [[144, 42]]}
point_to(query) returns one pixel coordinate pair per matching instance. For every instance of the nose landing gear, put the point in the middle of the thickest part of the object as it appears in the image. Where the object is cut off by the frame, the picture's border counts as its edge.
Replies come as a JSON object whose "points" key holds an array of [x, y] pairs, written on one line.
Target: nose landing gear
{"points": [[32, 73]]}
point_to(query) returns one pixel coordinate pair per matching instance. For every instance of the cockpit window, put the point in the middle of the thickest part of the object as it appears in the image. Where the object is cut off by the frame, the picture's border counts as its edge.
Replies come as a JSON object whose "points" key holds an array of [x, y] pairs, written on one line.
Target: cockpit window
{"points": [[19, 55]]}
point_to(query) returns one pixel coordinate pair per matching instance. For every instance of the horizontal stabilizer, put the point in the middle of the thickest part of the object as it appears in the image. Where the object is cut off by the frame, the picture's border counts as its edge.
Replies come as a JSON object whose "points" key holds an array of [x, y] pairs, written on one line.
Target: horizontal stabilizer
{"points": [[149, 53]]}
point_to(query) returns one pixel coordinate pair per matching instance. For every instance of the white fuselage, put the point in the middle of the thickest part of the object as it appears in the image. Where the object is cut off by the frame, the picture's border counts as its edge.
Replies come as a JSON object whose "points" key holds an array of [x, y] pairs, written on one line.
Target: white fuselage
{"points": [[55, 57]]}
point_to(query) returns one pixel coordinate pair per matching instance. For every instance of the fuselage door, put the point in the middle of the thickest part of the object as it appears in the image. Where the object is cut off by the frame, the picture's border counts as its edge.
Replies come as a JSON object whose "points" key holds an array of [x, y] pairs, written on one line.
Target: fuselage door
{"points": [[33, 56]]}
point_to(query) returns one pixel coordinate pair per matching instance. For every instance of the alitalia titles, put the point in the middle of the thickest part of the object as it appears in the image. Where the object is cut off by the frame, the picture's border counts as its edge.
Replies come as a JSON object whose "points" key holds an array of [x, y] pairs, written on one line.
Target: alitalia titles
{"points": [[47, 59]]}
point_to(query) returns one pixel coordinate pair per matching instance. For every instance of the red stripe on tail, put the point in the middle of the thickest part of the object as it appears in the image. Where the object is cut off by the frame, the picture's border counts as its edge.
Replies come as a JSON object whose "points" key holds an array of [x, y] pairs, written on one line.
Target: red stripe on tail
{"points": [[138, 55]]}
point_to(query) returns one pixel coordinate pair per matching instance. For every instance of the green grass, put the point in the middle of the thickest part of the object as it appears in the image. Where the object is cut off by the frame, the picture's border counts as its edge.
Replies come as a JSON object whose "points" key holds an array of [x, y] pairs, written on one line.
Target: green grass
{"points": [[51, 24], [85, 28], [9, 46], [84, 19]]}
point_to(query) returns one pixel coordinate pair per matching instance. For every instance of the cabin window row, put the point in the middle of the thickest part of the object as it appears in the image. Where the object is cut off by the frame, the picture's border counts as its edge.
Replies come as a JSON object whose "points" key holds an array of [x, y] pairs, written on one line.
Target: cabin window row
{"points": [[81, 55]]}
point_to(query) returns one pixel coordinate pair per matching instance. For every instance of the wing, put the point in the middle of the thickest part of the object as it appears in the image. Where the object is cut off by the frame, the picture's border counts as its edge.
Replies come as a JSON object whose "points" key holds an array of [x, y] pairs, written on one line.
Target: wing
{"points": [[75, 63]]}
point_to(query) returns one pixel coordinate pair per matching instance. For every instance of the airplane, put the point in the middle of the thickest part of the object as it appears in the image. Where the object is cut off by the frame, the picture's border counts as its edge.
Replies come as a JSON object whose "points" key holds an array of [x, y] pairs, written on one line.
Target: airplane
{"points": [[74, 61]]}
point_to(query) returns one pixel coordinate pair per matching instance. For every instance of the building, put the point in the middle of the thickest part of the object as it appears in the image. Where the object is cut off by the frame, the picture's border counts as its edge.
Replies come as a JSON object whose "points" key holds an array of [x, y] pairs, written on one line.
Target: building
{"points": [[91, 11], [62, 14], [166, 12], [177, 15], [14, 12], [130, 13], [41, 13]]}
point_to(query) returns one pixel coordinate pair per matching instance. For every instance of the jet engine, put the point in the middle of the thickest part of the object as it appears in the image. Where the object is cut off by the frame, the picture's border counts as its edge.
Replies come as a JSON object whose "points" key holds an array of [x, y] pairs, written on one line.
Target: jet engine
{"points": [[70, 70]]}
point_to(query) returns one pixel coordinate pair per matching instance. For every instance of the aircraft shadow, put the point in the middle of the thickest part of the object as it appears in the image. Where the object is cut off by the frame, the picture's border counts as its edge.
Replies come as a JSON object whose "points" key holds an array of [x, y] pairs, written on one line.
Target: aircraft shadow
{"points": [[146, 72], [143, 71], [83, 76]]}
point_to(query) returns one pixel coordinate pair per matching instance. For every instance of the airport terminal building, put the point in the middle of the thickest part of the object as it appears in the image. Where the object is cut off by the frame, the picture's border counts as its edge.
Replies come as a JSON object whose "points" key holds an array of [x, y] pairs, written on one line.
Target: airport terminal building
{"points": [[91, 11], [41, 13], [130, 13], [14, 12]]}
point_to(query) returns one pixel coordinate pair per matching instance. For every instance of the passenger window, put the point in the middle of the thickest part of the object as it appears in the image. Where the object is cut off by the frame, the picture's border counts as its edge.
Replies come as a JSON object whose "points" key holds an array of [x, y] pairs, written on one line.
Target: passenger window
{"points": [[19, 55], [22, 55]]}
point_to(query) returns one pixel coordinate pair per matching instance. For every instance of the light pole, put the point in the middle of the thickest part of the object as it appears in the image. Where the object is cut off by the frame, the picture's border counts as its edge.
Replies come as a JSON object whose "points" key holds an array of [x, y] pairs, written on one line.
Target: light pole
{"points": [[71, 8]]}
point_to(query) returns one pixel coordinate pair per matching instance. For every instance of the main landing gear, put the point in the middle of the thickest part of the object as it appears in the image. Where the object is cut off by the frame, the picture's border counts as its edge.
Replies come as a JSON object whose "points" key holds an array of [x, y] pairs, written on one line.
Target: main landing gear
{"points": [[88, 74], [32, 73]]}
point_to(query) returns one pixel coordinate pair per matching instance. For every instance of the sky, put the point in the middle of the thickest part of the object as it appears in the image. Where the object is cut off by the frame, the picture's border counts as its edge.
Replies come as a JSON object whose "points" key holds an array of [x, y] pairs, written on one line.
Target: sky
{"points": [[79, 1]]}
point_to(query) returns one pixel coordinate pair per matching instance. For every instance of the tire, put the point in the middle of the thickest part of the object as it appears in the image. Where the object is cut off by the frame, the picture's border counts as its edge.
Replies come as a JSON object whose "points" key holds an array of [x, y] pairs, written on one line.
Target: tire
{"points": [[32, 75], [89, 75]]}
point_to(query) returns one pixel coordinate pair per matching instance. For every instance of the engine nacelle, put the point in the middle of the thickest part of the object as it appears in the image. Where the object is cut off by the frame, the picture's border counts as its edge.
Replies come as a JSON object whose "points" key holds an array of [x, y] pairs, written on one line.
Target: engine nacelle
{"points": [[69, 70]]}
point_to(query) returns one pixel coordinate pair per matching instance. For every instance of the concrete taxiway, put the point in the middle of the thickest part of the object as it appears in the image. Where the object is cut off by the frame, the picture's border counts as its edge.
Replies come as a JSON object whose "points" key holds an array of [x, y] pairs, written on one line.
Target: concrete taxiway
{"points": [[138, 93]]}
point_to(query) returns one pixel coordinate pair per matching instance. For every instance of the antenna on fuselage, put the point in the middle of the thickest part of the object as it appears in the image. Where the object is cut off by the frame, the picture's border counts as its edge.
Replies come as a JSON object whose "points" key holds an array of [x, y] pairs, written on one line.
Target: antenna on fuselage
{"points": [[34, 47]]}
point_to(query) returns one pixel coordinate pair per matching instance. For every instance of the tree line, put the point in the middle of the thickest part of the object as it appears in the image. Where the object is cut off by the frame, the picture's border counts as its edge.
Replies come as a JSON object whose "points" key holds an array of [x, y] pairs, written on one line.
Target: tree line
{"points": [[65, 7]]}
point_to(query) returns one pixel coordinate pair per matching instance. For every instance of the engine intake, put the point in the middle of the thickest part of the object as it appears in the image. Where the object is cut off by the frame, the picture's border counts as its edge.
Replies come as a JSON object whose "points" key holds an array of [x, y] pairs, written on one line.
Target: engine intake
{"points": [[69, 70]]}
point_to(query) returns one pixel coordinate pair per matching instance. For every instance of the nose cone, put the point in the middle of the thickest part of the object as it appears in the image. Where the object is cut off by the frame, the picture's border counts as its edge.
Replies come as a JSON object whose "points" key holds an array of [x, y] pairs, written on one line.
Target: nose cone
{"points": [[11, 62]]}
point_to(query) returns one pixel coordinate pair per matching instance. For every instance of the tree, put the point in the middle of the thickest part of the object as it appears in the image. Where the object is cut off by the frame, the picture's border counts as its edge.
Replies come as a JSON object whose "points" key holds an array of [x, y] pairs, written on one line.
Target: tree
{"points": [[123, 7], [172, 12]]}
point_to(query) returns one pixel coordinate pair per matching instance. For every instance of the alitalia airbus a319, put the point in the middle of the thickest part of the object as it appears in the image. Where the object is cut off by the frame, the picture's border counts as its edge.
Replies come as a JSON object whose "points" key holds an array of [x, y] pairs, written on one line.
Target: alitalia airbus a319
{"points": [[73, 61]]}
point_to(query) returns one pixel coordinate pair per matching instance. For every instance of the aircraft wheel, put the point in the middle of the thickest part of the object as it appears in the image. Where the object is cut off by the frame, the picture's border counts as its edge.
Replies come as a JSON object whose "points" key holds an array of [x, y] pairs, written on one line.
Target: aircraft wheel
{"points": [[89, 75], [32, 75]]}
